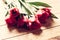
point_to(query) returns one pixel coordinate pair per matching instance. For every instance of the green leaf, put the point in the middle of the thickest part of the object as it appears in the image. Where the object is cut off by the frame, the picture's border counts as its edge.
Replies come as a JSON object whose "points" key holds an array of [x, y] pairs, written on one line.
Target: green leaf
{"points": [[12, 5], [36, 8], [53, 16], [9, 6], [23, 14], [23, 0], [26, 9], [5, 1], [39, 4], [20, 3], [7, 13], [18, 0]]}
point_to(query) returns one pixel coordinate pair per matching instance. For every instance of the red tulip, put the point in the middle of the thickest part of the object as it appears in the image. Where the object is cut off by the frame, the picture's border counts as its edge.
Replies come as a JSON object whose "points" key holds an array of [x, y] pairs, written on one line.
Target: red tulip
{"points": [[14, 16], [34, 24], [10, 23], [22, 21], [26, 23], [14, 12], [43, 15], [47, 10]]}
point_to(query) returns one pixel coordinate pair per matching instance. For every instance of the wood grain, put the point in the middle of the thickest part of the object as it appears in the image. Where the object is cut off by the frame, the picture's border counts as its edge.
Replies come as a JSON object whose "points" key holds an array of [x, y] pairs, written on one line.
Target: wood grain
{"points": [[45, 34]]}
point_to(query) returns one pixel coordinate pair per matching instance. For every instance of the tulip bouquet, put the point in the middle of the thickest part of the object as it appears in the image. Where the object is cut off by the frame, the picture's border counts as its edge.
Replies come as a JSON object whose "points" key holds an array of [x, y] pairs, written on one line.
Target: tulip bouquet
{"points": [[32, 19]]}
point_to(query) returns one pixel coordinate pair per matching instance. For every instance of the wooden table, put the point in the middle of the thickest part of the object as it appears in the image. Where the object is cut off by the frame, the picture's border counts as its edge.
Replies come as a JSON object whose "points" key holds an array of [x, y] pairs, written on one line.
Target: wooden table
{"points": [[46, 34]]}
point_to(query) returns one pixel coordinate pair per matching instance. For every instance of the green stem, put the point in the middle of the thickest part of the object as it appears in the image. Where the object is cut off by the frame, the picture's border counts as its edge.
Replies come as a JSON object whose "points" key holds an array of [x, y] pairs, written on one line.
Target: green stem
{"points": [[26, 8]]}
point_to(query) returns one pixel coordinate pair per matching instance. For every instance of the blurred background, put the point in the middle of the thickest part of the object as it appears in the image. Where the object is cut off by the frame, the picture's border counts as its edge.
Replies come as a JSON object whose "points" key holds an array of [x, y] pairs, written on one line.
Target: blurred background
{"points": [[46, 34]]}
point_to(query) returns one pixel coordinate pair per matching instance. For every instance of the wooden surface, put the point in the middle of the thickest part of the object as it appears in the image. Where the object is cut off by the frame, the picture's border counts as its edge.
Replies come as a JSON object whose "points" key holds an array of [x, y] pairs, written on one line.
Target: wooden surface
{"points": [[46, 34]]}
